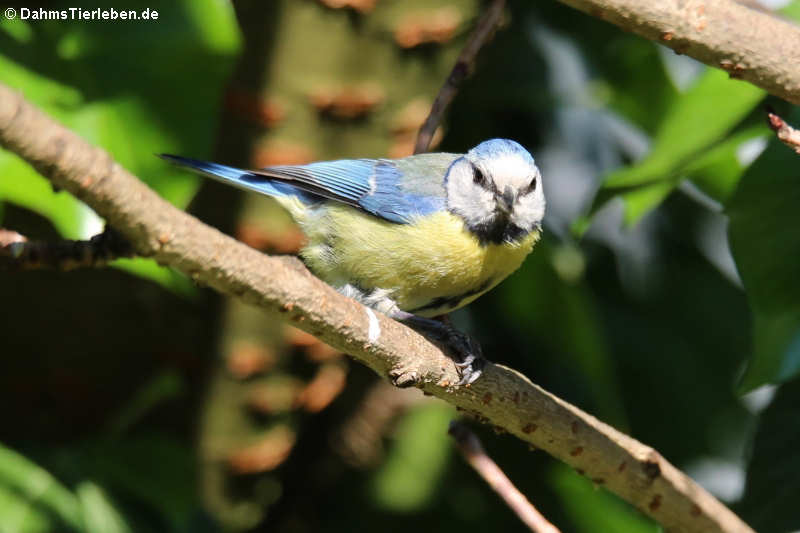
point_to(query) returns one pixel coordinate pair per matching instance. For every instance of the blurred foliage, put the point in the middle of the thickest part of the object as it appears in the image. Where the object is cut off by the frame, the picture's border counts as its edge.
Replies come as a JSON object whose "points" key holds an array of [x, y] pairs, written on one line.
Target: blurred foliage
{"points": [[705, 113], [763, 212], [31, 496], [594, 510], [114, 84], [772, 482], [410, 475], [632, 307]]}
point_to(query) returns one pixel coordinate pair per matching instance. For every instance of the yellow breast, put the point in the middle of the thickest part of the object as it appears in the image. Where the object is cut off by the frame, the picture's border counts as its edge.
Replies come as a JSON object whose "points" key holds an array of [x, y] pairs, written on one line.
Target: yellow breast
{"points": [[429, 267]]}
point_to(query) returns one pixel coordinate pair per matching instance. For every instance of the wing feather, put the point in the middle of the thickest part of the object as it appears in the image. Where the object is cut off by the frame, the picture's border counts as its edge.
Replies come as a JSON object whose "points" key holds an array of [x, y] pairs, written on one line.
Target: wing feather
{"points": [[397, 190], [372, 185]]}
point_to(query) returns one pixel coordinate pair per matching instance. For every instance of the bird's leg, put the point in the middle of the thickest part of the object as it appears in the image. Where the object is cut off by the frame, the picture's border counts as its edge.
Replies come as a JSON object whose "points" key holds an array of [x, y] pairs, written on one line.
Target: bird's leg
{"points": [[445, 319], [463, 348]]}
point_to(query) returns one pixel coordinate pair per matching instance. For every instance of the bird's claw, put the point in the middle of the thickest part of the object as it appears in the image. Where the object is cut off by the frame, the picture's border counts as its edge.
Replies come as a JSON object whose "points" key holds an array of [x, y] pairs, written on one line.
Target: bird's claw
{"points": [[464, 349], [469, 356]]}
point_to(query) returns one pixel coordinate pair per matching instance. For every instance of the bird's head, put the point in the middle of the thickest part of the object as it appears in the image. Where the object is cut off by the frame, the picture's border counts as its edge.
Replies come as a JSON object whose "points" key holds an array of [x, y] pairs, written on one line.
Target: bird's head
{"points": [[496, 189]]}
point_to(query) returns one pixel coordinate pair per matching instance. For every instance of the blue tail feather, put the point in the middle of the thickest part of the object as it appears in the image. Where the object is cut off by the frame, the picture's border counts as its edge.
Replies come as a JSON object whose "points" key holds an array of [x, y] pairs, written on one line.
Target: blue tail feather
{"points": [[243, 179]]}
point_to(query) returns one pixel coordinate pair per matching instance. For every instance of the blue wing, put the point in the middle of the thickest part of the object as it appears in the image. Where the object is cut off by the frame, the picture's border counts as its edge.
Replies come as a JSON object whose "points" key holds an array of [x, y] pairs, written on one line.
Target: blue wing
{"points": [[395, 190]]}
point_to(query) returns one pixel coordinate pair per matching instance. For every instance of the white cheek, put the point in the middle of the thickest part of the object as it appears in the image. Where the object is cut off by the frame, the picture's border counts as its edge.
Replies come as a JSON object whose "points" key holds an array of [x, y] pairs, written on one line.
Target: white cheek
{"points": [[464, 196], [472, 201]]}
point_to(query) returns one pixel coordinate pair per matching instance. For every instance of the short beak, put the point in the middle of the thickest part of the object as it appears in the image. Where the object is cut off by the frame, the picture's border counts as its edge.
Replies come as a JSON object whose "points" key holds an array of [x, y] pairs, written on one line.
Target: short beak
{"points": [[505, 201]]}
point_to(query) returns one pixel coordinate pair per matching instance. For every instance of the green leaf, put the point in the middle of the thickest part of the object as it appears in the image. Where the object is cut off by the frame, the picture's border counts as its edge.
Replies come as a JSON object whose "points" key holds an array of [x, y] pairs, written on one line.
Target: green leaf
{"points": [[718, 170], [592, 510], [641, 200], [163, 386], [100, 515], [791, 10], [166, 277], [121, 87], [773, 476], [638, 84], [683, 146], [21, 185], [154, 470], [764, 237], [412, 471], [701, 117], [34, 487], [20, 515]]}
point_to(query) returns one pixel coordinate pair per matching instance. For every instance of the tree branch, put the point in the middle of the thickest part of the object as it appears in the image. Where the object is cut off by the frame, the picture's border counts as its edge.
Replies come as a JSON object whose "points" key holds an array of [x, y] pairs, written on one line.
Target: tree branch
{"points": [[749, 44], [466, 60], [22, 254], [8, 237], [284, 289], [470, 447], [784, 132]]}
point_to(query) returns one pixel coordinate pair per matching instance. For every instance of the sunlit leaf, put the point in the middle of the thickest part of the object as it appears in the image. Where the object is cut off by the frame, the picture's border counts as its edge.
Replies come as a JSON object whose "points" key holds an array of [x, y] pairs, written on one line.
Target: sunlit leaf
{"points": [[20, 515], [99, 513], [121, 87], [641, 200], [592, 509], [717, 171], [687, 145], [791, 10], [700, 117], [417, 459], [149, 269], [35, 487]]}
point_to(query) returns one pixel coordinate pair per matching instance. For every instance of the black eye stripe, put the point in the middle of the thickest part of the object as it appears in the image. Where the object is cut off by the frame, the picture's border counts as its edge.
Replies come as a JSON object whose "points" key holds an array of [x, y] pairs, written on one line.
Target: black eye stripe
{"points": [[479, 178], [531, 186]]}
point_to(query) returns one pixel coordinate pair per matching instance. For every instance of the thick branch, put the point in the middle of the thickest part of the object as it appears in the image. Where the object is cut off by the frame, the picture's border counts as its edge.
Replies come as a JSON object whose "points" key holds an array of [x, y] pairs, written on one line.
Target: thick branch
{"points": [[749, 44], [287, 291]]}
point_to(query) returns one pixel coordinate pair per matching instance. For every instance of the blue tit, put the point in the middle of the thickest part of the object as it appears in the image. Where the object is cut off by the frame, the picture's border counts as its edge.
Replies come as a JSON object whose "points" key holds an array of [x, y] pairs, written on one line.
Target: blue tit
{"points": [[415, 237]]}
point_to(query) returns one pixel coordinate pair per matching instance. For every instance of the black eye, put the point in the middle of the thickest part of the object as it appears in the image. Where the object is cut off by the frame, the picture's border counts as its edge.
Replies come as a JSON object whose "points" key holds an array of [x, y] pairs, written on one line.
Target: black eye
{"points": [[478, 177], [531, 186]]}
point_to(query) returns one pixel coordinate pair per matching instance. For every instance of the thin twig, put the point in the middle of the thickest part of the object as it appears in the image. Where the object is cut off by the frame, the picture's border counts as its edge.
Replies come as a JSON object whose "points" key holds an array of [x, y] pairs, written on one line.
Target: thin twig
{"points": [[10, 237], [466, 60], [785, 133], [286, 290], [470, 447], [18, 253]]}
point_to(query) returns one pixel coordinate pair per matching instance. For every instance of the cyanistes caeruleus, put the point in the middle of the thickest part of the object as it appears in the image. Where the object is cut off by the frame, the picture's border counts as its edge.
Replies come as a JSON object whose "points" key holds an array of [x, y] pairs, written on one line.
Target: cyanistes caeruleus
{"points": [[415, 237]]}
